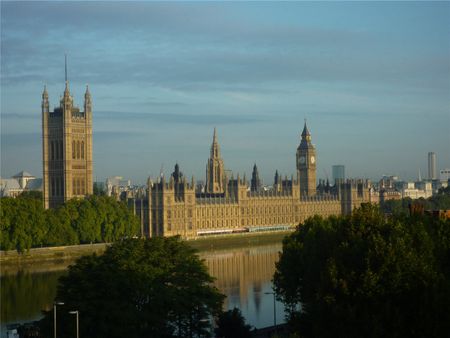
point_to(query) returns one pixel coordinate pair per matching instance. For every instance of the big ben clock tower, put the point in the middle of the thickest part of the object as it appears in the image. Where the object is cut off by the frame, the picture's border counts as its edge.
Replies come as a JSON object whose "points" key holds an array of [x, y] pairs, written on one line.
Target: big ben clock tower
{"points": [[306, 164]]}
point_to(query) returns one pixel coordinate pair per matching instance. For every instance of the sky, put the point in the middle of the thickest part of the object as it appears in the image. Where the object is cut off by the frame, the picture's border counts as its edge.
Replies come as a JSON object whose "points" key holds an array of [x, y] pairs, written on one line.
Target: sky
{"points": [[371, 78]]}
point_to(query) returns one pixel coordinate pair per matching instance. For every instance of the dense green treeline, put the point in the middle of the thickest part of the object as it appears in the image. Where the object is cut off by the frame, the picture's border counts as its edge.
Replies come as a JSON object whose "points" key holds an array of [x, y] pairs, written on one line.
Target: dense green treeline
{"points": [[366, 275], [25, 224], [440, 201]]}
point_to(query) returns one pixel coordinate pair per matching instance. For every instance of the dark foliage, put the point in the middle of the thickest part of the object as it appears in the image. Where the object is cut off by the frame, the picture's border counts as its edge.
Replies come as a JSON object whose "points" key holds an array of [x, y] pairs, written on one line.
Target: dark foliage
{"points": [[439, 201], [367, 276], [138, 288], [231, 324]]}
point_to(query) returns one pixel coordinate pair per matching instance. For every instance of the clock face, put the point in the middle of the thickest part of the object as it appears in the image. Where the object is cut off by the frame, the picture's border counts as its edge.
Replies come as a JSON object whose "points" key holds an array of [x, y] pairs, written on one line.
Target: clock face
{"points": [[302, 159], [313, 159]]}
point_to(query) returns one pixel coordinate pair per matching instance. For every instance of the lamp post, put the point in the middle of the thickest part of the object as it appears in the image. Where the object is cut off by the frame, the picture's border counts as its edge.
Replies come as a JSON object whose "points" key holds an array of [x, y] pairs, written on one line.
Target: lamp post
{"points": [[274, 310], [78, 325], [54, 316]]}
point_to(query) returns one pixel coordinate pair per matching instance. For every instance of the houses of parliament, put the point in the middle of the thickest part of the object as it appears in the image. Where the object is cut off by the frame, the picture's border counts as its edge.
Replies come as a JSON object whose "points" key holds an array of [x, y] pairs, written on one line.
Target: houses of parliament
{"points": [[176, 206]]}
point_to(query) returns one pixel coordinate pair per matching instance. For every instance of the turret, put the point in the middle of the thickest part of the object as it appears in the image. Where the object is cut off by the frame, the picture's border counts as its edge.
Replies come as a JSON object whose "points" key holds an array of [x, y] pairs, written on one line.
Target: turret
{"points": [[255, 184], [87, 101], [45, 104]]}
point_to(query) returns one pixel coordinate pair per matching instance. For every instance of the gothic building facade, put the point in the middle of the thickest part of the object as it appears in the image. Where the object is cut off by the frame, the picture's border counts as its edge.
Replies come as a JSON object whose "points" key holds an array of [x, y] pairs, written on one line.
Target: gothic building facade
{"points": [[230, 205], [66, 149]]}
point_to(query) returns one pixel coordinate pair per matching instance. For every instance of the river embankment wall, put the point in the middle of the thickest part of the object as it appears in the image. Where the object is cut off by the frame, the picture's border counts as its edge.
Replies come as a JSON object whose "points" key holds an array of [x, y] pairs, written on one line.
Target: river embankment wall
{"points": [[48, 256]]}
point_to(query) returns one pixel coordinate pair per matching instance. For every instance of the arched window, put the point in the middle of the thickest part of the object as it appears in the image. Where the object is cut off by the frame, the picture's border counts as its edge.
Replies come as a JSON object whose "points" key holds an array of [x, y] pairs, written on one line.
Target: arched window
{"points": [[73, 150], [57, 186], [78, 149], [61, 186], [60, 149], [52, 150], [53, 185], [82, 149], [74, 191]]}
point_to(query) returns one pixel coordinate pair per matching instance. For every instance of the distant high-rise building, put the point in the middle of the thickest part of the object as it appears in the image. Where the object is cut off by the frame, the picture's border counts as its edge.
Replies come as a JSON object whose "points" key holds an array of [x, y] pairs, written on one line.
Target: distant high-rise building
{"points": [[66, 149], [338, 172], [432, 165]]}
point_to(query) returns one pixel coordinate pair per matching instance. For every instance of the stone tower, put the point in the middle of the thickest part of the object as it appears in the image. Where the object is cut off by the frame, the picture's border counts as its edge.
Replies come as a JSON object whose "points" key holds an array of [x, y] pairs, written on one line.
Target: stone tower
{"points": [[66, 149], [306, 164], [255, 183], [215, 173]]}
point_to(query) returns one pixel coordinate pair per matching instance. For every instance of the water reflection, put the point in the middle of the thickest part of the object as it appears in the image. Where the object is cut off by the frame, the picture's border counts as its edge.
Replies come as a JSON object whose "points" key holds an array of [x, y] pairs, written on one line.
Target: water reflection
{"points": [[243, 275], [25, 294]]}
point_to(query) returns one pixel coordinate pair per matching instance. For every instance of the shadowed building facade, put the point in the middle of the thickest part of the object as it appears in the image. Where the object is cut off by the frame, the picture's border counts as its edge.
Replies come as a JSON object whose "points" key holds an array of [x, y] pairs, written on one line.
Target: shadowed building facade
{"points": [[66, 149], [174, 207]]}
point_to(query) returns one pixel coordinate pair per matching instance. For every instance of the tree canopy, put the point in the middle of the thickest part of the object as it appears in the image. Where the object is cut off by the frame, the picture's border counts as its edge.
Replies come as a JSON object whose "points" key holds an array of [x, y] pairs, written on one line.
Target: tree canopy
{"points": [[24, 223], [441, 200], [231, 324], [367, 276], [156, 287]]}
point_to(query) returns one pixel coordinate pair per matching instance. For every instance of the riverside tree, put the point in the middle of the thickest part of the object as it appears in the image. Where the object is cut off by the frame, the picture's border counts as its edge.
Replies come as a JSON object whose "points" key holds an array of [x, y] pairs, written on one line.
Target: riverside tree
{"points": [[24, 223], [367, 276], [138, 288]]}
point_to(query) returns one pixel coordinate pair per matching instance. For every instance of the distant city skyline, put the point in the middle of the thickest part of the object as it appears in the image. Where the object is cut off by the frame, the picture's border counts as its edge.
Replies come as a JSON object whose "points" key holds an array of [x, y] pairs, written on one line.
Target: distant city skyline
{"points": [[372, 79]]}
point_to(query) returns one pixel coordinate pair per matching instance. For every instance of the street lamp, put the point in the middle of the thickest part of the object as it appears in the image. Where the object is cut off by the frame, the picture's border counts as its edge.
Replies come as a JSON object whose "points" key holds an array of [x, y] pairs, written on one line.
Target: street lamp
{"points": [[274, 309], [78, 325], [54, 316]]}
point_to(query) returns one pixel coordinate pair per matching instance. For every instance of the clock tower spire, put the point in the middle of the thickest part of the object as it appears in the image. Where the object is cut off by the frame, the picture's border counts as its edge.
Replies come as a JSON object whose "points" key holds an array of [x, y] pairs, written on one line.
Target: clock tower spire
{"points": [[306, 164]]}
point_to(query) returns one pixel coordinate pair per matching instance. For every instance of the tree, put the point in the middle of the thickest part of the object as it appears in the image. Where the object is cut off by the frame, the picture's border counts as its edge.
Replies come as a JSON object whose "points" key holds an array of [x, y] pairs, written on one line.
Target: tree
{"points": [[139, 288], [367, 276], [25, 224], [33, 194], [231, 324]]}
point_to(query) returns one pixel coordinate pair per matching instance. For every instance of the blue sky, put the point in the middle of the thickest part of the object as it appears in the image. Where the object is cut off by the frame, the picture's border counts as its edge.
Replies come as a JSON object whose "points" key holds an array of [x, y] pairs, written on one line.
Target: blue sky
{"points": [[372, 79]]}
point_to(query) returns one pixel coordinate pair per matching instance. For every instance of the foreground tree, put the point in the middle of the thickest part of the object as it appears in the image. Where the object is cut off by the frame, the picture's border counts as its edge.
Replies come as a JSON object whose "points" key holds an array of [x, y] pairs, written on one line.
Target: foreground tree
{"points": [[138, 288], [365, 276], [231, 324]]}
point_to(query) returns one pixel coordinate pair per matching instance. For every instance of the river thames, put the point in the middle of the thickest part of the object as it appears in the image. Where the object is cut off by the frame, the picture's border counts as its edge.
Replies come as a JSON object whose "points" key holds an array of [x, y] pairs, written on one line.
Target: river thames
{"points": [[243, 274]]}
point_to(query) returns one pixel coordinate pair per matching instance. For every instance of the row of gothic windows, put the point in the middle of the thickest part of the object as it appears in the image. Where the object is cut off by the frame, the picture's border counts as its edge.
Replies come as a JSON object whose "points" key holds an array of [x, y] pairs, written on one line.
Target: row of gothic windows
{"points": [[217, 212], [56, 150], [178, 226], [56, 186], [78, 186], [77, 150]]}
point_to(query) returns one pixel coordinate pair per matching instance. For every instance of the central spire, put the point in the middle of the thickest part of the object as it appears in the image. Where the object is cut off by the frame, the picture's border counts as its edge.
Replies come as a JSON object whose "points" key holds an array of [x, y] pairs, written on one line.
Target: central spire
{"points": [[215, 169], [215, 149]]}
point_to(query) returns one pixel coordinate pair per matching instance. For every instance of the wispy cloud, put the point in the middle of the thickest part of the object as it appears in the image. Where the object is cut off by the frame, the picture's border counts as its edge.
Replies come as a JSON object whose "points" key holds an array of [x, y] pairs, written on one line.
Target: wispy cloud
{"points": [[182, 118], [164, 72]]}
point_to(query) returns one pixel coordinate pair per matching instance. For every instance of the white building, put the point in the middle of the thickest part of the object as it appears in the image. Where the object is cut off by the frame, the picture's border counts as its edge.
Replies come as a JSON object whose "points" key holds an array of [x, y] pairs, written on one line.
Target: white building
{"points": [[116, 184], [20, 182], [444, 175], [415, 190]]}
